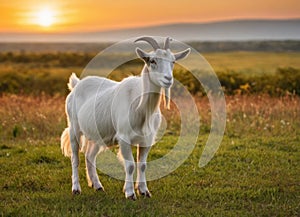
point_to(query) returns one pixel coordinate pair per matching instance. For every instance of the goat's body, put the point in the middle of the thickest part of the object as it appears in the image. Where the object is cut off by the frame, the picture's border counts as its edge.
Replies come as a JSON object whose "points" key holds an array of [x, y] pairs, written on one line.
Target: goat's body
{"points": [[105, 111]]}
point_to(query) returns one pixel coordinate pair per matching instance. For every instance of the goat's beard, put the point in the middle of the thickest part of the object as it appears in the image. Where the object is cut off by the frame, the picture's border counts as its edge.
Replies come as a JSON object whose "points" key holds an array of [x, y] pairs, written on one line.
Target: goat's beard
{"points": [[167, 97]]}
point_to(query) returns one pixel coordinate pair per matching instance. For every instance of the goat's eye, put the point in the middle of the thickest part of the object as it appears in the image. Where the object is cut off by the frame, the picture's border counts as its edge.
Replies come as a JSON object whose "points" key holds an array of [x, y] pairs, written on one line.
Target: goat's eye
{"points": [[152, 61]]}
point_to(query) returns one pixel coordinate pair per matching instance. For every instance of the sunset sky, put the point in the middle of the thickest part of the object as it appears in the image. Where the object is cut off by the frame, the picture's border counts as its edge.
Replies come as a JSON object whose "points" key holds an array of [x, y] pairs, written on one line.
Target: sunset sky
{"points": [[91, 15]]}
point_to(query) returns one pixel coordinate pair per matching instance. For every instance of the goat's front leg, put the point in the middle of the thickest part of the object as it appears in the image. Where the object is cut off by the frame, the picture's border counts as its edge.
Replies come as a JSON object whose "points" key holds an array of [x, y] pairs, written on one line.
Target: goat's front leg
{"points": [[129, 165], [141, 183]]}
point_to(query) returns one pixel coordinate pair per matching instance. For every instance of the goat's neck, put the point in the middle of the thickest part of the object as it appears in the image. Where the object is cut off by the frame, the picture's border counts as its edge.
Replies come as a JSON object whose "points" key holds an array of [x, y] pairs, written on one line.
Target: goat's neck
{"points": [[151, 94]]}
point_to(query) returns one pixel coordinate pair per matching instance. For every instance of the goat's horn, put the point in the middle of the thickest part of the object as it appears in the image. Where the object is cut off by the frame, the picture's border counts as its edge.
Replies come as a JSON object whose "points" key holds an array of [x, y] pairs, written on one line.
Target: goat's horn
{"points": [[150, 40], [167, 43]]}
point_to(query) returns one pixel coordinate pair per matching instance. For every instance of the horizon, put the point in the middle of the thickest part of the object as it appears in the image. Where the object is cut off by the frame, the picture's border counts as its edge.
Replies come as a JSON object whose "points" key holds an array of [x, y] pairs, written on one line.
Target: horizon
{"points": [[226, 30]]}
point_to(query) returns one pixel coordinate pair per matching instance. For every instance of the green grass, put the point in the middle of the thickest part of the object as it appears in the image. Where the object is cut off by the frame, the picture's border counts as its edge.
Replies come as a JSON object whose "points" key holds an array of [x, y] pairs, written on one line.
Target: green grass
{"points": [[254, 173], [247, 177]]}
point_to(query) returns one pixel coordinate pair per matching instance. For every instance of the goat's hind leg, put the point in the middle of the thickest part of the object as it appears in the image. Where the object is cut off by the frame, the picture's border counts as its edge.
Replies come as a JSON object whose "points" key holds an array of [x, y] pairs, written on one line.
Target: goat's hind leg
{"points": [[74, 140], [91, 152]]}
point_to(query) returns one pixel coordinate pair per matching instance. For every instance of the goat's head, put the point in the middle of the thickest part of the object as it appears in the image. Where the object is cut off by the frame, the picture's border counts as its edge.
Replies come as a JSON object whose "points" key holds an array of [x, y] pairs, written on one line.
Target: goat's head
{"points": [[160, 62]]}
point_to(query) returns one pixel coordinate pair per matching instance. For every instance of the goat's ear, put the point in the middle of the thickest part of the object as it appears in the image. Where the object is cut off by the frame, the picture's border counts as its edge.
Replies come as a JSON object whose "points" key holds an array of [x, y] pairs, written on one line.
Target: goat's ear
{"points": [[142, 54], [182, 54]]}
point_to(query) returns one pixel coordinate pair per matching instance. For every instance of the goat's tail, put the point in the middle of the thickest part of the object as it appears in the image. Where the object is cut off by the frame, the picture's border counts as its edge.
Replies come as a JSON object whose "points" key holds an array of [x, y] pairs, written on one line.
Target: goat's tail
{"points": [[73, 80], [65, 143]]}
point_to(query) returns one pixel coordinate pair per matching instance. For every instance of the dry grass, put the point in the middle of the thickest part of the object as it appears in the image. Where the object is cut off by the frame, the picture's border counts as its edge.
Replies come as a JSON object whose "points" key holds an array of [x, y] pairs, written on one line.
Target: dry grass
{"points": [[44, 116], [31, 117], [263, 114]]}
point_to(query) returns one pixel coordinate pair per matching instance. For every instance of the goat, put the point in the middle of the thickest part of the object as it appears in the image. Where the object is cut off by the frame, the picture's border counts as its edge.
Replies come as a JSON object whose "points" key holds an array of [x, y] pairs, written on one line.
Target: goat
{"points": [[102, 112]]}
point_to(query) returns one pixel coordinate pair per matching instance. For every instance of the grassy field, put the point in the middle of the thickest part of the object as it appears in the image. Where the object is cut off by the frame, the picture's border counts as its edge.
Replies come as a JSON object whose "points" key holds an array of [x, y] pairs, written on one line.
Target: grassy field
{"points": [[252, 63], [255, 172], [261, 72]]}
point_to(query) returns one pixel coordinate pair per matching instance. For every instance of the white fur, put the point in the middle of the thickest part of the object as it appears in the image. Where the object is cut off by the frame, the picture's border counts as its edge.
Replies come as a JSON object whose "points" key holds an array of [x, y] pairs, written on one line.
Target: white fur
{"points": [[102, 112]]}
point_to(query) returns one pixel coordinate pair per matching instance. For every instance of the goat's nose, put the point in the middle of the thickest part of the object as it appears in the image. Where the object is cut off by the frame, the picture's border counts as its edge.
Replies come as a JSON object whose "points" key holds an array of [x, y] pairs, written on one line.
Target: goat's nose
{"points": [[169, 78]]}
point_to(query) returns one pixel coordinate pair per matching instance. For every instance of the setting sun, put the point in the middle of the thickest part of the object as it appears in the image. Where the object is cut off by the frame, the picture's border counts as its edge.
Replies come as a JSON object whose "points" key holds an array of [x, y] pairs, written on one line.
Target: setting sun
{"points": [[45, 17]]}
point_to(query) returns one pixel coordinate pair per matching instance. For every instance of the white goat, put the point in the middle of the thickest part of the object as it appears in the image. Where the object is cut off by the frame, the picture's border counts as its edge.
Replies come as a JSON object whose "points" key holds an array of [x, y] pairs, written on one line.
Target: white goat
{"points": [[101, 112]]}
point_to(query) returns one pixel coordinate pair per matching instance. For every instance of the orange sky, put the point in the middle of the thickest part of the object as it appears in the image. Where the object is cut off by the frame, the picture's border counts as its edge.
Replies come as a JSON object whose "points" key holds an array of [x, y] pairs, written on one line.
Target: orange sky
{"points": [[92, 15]]}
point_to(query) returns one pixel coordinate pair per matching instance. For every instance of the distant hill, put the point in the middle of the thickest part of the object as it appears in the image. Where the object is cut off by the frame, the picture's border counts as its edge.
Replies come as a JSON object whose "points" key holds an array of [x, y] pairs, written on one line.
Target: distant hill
{"points": [[204, 46], [234, 30]]}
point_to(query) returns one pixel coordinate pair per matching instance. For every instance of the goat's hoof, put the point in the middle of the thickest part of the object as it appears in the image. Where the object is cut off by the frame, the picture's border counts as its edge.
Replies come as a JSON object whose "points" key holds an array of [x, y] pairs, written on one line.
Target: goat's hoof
{"points": [[131, 197], [100, 189], [145, 194], [76, 192]]}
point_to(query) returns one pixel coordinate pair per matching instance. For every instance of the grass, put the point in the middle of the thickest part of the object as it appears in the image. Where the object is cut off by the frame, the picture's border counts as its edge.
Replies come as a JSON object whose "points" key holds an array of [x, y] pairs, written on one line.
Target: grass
{"points": [[254, 173]]}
